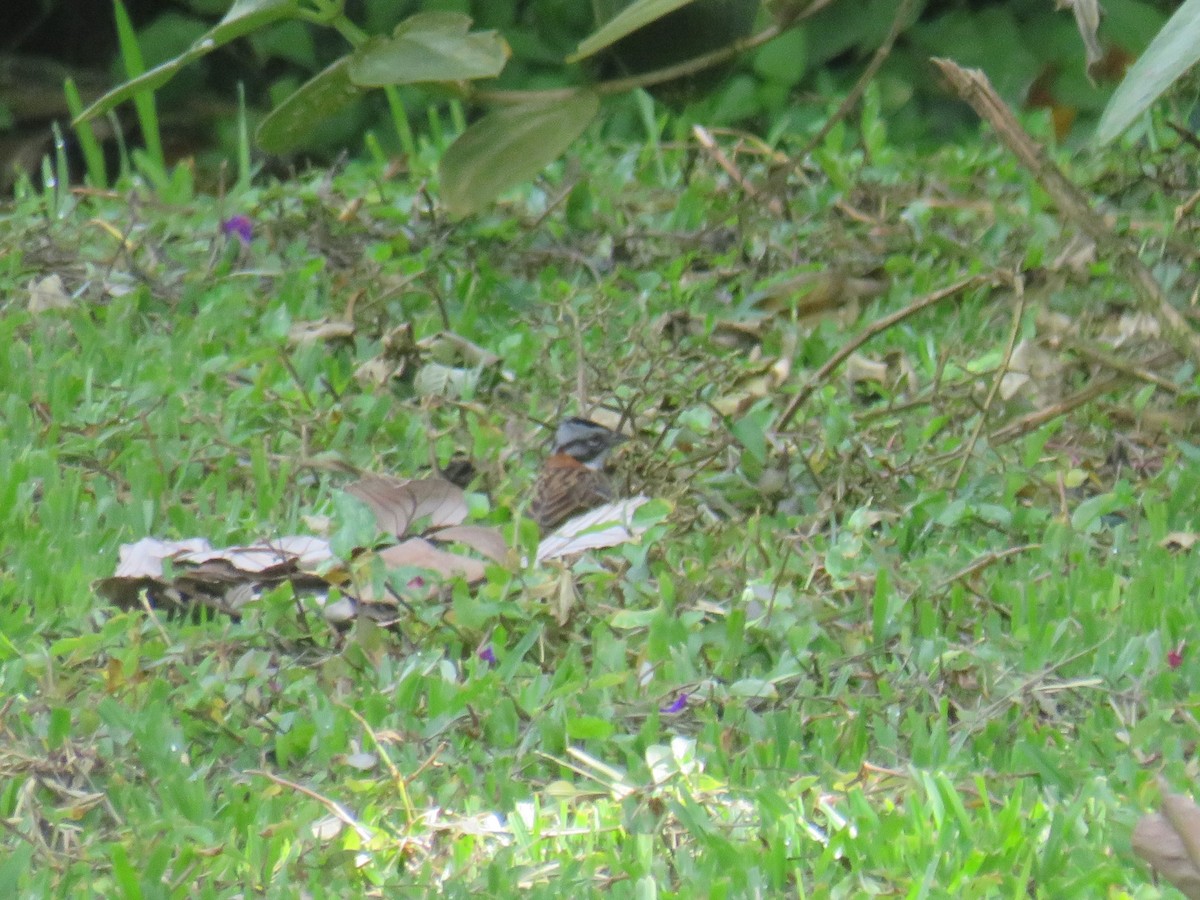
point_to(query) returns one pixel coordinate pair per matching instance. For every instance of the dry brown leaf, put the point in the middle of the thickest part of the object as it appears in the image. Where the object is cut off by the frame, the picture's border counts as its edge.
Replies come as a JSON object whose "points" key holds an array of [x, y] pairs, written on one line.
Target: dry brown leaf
{"points": [[419, 553], [1156, 841], [398, 504], [483, 538], [224, 579]]}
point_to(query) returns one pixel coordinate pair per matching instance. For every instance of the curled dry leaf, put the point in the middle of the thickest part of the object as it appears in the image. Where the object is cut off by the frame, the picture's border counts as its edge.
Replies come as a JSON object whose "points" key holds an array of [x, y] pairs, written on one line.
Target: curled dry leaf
{"points": [[894, 372], [223, 579], [448, 347], [399, 504], [303, 333]]}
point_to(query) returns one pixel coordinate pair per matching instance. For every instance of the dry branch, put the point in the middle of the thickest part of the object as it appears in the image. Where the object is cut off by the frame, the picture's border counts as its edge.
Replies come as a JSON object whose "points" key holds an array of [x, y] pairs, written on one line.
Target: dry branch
{"points": [[973, 86]]}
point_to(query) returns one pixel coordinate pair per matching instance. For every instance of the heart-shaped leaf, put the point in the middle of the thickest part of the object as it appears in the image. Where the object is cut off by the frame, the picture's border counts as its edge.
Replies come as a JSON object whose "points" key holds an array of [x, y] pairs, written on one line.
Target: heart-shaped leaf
{"points": [[509, 146], [431, 46]]}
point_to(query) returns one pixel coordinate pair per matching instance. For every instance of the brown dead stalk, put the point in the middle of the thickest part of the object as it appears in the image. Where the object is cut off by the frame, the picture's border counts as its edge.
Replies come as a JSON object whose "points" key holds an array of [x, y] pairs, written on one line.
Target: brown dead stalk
{"points": [[973, 86]]}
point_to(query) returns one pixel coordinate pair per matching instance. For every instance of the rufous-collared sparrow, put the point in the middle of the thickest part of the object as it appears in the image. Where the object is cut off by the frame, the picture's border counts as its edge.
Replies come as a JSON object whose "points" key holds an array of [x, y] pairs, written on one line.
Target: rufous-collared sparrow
{"points": [[572, 479]]}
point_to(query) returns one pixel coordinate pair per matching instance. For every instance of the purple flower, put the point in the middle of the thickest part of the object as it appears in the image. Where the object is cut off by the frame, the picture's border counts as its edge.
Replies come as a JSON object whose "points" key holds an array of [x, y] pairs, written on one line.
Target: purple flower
{"points": [[487, 655], [677, 705], [238, 226]]}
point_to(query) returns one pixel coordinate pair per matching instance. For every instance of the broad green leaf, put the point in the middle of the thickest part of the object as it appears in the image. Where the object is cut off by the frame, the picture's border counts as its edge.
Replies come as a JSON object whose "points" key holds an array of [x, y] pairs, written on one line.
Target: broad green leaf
{"points": [[292, 122], [627, 21], [432, 46], [509, 146], [1088, 514], [1175, 50], [243, 17], [586, 728], [750, 432]]}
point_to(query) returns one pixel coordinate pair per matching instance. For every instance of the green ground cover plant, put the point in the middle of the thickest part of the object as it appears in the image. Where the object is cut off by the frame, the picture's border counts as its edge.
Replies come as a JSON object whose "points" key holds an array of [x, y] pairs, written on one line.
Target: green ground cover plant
{"points": [[929, 636]]}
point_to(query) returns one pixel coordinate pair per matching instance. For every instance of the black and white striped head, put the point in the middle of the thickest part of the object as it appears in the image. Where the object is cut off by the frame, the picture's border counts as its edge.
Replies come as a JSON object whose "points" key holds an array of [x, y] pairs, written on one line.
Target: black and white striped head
{"points": [[586, 441]]}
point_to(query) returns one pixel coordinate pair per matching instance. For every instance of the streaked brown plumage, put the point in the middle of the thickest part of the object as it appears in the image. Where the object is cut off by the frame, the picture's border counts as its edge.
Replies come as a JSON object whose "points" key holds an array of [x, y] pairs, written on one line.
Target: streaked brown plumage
{"points": [[572, 480]]}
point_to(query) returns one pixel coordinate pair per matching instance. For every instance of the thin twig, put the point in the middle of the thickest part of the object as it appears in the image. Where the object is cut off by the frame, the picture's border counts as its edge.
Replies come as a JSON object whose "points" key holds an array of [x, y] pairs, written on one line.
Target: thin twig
{"points": [[881, 54], [973, 86], [1109, 361], [145, 602], [1001, 372], [623, 85], [336, 809], [706, 141], [877, 328]]}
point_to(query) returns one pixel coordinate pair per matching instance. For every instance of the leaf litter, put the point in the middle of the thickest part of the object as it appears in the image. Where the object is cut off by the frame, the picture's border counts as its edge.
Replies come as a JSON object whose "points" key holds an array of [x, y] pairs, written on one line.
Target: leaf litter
{"points": [[427, 516]]}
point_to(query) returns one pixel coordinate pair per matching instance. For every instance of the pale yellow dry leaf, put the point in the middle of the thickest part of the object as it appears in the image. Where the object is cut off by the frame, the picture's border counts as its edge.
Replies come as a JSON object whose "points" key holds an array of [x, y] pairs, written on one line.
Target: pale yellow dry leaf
{"points": [[47, 294], [304, 333], [1180, 540], [448, 348]]}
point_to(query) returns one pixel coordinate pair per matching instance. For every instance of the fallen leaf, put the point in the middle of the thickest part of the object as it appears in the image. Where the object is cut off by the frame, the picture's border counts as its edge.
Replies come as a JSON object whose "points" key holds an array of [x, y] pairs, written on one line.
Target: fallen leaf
{"points": [[224, 579], [448, 347], [398, 504], [482, 538], [304, 333], [1156, 841], [418, 553], [604, 526], [48, 294], [1180, 540]]}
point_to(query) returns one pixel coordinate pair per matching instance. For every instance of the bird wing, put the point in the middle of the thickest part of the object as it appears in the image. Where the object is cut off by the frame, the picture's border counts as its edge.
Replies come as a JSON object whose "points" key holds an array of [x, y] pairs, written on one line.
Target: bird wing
{"points": [[566, 488]]}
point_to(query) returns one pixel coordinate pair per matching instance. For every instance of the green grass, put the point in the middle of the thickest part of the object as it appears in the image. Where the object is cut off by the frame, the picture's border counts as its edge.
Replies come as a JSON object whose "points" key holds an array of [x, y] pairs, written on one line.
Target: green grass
{"points": [[895, 685]]}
